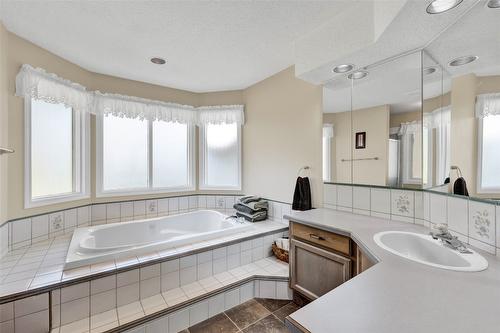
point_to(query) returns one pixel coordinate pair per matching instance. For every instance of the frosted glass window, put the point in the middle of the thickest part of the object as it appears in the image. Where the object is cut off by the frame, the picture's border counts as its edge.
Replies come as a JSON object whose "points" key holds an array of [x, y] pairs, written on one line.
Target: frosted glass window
{"points": [[51, 149], [170, 154], [490, 159], [221, 165], [124, 153]]}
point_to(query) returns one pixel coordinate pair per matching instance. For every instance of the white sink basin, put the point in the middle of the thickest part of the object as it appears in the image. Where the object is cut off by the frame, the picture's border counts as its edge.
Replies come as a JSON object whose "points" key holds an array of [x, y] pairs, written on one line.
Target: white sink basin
{"points": [[426, 250]]}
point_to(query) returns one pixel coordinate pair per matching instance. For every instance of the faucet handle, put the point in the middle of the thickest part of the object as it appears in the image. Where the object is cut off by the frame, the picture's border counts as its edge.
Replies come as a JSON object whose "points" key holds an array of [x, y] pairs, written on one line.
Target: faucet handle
{"points": [[441, 227]]}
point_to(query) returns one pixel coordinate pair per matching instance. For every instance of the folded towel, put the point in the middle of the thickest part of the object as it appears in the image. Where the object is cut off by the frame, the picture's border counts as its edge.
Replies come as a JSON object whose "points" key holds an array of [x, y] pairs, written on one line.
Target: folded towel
{"points": [[283, 243], [259, 216], [245, 209], [248, 198]]}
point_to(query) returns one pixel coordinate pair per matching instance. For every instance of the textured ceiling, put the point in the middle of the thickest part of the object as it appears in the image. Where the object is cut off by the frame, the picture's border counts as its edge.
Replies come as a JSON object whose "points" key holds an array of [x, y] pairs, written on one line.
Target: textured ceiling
{"points": [[208, 45], [477, 33], [412, 28]]}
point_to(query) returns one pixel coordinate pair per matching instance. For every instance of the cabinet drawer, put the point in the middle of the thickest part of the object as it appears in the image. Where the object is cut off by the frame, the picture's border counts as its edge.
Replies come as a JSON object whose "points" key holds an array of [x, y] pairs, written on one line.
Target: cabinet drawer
{"points": [[324, 238]]}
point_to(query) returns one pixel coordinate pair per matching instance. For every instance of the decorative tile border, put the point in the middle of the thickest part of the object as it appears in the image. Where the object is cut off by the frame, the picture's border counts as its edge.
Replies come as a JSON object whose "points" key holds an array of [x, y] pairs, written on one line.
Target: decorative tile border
{"points": [[474, 221], [22, 232]]}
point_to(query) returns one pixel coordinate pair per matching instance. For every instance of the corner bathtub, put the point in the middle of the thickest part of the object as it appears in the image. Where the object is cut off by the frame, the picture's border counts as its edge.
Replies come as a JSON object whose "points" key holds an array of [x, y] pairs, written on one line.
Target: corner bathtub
{"points": [[91, 245]]}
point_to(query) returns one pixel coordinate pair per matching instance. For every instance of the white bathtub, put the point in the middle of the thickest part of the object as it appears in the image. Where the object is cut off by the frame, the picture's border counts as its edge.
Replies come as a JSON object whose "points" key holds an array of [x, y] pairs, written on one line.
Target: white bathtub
{"points": [[91, 245]]}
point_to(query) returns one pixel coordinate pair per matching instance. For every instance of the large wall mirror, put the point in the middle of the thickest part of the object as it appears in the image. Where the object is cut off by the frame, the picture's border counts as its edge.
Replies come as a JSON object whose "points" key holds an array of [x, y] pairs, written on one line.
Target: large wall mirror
{"points": [[461, 93], [376, 117], [428, 119]]}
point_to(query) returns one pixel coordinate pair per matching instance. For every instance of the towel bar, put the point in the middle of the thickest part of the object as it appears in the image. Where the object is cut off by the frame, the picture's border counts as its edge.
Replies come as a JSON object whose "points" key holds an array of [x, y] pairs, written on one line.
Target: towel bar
{"points": [[6, 150], [360, 159]]}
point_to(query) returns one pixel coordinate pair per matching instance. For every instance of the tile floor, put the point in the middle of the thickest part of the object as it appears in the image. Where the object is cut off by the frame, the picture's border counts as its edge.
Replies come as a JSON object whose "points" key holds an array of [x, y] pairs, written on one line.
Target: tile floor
{"points": [[258, 315]]}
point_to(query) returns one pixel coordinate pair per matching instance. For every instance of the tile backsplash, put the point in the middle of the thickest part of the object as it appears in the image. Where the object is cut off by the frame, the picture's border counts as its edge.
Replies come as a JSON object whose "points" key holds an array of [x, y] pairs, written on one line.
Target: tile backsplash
{"points": [[476, 222], [22, 232]]}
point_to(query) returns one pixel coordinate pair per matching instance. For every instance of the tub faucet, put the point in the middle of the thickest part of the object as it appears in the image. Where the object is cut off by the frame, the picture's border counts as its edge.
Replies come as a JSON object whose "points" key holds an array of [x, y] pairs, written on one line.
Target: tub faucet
{"points": [[441, 232]]}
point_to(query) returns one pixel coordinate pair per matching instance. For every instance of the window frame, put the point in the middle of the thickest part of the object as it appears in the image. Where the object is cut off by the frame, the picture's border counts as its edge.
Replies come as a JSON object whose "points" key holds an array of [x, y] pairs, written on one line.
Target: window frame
{"points": [[100, 192], [202, 162], [81, 161], [479, 188]]}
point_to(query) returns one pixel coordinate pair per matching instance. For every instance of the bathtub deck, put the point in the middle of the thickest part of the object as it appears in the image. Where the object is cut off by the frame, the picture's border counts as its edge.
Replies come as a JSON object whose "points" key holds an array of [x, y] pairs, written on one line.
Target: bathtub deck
{"points": [[265, 270], [39, 267]]}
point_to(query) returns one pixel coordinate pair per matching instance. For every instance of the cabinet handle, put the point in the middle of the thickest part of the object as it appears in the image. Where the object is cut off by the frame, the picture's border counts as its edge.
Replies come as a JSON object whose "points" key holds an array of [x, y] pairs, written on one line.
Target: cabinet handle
{"points": [[313, 236]]}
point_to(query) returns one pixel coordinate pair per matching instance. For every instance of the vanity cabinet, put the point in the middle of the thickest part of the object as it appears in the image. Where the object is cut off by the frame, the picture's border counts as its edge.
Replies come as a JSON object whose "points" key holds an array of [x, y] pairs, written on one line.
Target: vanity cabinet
{"points": [[319, 260]]}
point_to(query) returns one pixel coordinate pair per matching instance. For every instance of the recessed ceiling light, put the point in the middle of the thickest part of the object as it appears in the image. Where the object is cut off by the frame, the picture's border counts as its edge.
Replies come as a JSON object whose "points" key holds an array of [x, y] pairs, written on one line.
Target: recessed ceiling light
{"points": [[429, 70], [463, 60], [494, 4], [357, 75], [158, 61], [343, 68], [441, 6]]}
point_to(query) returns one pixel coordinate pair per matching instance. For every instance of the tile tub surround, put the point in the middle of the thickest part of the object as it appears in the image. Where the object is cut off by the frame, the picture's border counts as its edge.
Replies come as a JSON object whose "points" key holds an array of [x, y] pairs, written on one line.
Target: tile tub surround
{"points": [[40, 267], [23, 232], [93, 306], [399, 286], [475, 222]]}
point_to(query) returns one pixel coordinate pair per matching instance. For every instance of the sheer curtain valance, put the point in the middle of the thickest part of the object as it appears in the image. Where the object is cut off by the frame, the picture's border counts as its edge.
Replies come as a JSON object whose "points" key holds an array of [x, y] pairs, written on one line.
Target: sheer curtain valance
{"points": [[487, 105], [38, 84], [409, 128]]}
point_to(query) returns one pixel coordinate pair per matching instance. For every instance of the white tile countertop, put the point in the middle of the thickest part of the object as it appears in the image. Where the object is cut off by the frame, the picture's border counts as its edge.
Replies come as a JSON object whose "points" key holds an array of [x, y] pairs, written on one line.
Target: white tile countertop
{"points": [[396, 294]]}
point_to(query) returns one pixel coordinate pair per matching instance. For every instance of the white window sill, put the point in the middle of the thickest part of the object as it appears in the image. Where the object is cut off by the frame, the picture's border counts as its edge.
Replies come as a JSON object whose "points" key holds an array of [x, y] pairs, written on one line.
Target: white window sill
{"points": [[53, 200], [124, 193]]}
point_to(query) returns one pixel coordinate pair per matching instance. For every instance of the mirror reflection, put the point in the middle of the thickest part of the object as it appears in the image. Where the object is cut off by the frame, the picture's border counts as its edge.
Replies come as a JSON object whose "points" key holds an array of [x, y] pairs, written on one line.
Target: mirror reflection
{"points": [[464, 122], [377, 125]]}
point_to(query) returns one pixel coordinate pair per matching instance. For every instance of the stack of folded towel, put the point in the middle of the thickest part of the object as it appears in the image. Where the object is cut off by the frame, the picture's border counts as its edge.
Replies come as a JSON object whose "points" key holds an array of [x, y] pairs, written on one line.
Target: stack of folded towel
{"points": [[251, 208]]}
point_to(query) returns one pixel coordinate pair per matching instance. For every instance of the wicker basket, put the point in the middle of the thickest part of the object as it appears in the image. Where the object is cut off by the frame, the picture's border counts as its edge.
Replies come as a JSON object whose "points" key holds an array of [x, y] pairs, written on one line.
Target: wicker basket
{"points": [[280, 253]]}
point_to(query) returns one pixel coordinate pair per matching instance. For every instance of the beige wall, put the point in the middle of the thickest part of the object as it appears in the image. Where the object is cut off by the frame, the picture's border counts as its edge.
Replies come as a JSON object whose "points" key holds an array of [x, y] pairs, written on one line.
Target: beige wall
{"points": [[341, 146], [397, 119], [464, 129], [375, 122], [4, 127], [283, 132], [281, 104]]}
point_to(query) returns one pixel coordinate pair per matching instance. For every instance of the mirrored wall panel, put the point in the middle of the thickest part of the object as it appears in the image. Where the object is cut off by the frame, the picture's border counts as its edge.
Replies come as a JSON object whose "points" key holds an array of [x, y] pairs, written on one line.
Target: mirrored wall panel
{"points": [[337, 140], [376, 119], [386, 124], [462, 106]]}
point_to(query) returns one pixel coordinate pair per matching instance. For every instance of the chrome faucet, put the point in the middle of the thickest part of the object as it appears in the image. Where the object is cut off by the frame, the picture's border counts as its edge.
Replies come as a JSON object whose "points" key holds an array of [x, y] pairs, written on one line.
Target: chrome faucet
{"points": [[441, 232]]}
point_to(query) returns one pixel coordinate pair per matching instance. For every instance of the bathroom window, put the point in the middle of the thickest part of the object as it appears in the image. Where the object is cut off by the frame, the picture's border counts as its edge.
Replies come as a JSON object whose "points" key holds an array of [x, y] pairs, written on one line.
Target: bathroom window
{"points": [[220, 156], [489, 159], [56, 154], [137, 156]]}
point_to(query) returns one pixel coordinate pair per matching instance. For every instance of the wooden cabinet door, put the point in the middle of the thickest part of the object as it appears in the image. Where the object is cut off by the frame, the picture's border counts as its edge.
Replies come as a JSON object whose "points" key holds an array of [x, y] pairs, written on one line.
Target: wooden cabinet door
{"points": [[314, 271]]}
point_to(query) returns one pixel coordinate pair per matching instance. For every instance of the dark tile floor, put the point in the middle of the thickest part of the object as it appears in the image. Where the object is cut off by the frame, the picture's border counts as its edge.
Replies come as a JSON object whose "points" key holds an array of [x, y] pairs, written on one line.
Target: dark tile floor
{"points": [[258, 315]]}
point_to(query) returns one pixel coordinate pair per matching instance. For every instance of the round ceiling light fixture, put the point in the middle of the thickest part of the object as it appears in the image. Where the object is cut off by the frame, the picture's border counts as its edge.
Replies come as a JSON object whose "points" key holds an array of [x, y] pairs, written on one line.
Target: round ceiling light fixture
{"points": [[357, 75], [158, 61], [343, 68], [460, 61], [494, 4], [441, 6], [429, 70]]}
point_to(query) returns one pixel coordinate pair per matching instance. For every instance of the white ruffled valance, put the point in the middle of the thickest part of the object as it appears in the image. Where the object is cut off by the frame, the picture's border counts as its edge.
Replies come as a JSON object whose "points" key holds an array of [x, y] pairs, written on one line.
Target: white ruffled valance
{"points": [[438, 117], [135, 107], [409, 128], [487, 105], [38, 84], [221, 114], [328, 131]]}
